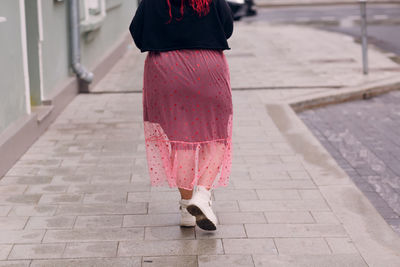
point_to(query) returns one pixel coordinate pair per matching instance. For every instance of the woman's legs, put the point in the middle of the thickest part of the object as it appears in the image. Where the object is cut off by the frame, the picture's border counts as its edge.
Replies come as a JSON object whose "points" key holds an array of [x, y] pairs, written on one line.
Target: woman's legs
{"points": [[185, 194], [211, 156], [185, 170]]}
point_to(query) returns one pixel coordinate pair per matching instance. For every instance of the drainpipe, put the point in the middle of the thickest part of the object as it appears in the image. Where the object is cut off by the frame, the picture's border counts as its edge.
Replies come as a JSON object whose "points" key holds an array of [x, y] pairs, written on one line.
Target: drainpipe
{"points": [[77, 67]]}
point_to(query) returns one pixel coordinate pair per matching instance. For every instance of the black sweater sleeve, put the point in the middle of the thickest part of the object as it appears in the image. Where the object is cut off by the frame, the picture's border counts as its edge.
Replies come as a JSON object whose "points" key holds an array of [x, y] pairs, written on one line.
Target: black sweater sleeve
{"points": [[136, 26], [226, 16]]}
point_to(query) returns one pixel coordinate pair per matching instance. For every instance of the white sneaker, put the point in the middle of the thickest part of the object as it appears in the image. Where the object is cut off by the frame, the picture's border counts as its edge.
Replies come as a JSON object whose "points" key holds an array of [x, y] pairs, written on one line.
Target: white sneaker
{"points": [[187, 220], [200, 207]]}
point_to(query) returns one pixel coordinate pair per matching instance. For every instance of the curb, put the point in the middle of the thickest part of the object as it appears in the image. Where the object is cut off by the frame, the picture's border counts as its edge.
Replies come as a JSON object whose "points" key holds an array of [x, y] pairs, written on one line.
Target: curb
{"points": [[318, 3], [372, 236], [346, 94]]}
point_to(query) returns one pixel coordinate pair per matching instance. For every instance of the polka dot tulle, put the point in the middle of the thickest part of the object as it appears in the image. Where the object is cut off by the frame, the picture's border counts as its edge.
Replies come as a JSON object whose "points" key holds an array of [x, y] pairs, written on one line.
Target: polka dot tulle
{"points": [[187, 113]]}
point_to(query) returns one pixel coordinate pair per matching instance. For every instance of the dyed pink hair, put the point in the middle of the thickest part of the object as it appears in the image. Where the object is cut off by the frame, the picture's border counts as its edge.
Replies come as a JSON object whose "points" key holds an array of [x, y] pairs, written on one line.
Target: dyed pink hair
{"points": [[202, 7]]}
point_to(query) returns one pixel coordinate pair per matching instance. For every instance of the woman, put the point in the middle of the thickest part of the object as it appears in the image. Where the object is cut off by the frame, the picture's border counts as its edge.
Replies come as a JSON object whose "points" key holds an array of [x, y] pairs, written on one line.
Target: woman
{"points": [[187, 100]]}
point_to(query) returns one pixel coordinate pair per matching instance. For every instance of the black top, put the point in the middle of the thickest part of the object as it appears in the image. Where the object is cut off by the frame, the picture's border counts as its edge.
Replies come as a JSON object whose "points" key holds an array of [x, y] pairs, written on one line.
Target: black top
{"points": [[151, 32]]}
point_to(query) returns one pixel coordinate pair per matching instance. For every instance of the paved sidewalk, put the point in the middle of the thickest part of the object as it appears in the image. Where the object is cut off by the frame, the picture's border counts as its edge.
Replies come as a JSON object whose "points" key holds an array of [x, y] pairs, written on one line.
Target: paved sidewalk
{"points": [[81, 195], [268, 56]]}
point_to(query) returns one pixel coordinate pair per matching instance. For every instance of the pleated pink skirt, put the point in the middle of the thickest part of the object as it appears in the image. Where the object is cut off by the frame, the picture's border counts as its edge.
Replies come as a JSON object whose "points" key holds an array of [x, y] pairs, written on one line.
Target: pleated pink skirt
{"points": [[187, 115]]}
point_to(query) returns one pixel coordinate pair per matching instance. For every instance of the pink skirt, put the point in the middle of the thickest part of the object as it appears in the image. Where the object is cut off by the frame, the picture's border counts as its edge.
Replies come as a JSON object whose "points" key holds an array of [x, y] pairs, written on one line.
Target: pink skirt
{"points": [[187, 115]]}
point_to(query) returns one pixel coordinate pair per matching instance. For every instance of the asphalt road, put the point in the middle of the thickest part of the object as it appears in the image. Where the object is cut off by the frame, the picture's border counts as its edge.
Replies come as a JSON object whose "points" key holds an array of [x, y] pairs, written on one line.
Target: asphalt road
{"points": [[383, 21]]}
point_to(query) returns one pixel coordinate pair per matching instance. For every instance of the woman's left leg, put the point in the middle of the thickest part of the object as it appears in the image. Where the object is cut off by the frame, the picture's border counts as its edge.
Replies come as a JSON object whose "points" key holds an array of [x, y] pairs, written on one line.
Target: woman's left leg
{"points": [[211, 157], [185, 164], [185, 160]]}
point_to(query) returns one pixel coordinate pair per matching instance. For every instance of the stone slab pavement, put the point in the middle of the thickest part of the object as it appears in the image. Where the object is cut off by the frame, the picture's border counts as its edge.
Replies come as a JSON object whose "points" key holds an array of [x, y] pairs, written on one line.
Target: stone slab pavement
{"points": [[81, 196], [266, 56]]}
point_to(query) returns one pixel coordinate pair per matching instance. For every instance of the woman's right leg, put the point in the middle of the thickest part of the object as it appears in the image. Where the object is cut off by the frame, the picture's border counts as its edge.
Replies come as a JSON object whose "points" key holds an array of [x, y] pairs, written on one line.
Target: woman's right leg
{"points": [[185, 167], [211, 156]]}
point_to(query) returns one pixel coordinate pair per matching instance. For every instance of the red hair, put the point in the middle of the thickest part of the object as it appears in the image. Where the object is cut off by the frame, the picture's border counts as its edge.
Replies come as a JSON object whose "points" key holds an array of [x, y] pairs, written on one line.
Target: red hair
{"points": [[202, 7]]}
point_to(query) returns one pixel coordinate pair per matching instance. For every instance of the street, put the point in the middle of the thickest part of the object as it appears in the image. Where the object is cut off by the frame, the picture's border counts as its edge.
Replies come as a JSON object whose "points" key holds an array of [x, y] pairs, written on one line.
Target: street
{"points": [[383, 20]]}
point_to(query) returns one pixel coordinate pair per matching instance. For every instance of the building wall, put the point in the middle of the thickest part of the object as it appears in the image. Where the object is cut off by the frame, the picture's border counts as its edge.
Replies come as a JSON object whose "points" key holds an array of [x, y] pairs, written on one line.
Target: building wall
{"points": [[48, 50], [55, 55], [55, 46], [114, 27], [12, 79]]}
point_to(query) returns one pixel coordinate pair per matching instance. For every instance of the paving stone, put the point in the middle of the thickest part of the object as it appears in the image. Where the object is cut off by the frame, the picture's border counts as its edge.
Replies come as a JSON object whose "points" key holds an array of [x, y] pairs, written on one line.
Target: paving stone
{"points": [[153, 196], [20, 236], [4, 210], [92, 235], [223, 231], [12, 223], [108, 187], [102, 209], [278, 194], [36, 251], [20, 171], [228, 260], [294, 230], [340, 245], [249, 246], [42, 210], [282, 205], [326, 217], [302, 246], [4, 251], [289, 217], [156, 207], [25, 180], [68, 180], [59, 170], [300, 174], [269, 172], [169, 232], [151, 220], [311, 194], [240, 217], [345, 260], [225, 206], [50, 222], [274, 184], [44, 189], [99, 221], [12, 189], [97, 262], [115, 179], [61, 198], [15, 263], [170, 247], [105, 198], [176, 261], [90, 250], [173, 206], [20, 199], [235, 194]]}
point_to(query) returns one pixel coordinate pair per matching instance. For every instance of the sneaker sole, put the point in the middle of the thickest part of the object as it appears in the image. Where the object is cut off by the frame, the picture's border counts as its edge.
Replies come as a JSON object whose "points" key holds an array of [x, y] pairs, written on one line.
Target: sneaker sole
{"points": [[187, 226], [201, 220]]}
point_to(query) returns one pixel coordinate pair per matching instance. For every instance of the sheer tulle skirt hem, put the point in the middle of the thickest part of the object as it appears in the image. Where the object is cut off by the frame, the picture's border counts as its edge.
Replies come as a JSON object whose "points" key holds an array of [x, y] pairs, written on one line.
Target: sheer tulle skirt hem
{"points": [[180, 164]]}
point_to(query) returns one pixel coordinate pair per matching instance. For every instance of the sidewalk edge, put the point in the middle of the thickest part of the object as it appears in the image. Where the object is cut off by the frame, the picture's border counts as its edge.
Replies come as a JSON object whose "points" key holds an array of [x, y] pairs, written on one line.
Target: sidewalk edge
{"points": [[375, 240], [346, 94]]}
